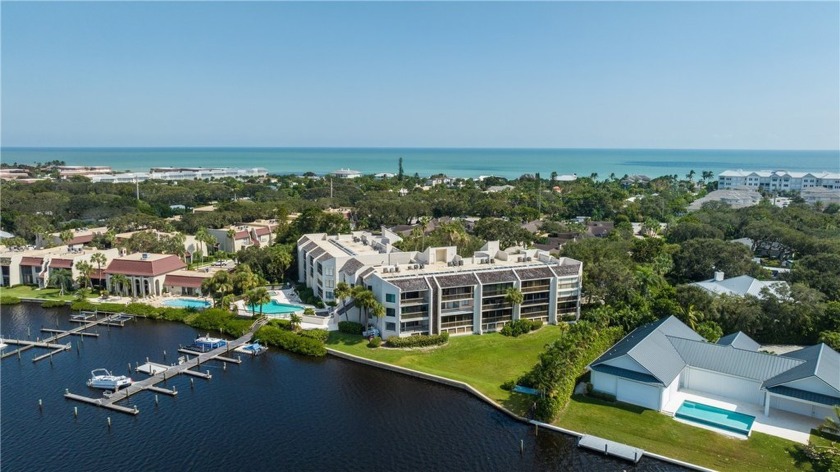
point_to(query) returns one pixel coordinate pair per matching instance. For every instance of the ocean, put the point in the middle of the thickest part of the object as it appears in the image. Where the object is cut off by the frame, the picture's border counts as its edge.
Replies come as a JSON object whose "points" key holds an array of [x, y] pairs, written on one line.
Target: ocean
{"points": [[461, 162], [278, 411]]}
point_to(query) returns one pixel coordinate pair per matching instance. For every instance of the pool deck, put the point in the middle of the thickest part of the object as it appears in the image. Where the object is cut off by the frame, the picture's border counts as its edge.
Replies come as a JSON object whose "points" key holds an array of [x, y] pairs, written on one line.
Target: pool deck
{"points": [[780, 423]]}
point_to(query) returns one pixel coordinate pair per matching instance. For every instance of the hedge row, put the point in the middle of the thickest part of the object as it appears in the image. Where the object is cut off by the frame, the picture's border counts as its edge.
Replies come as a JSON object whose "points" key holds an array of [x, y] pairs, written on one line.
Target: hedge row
{"points": [[290, 341], [9, 300], [217, 319], [319, 334], [53, 303], [418, 341], [519, 327], [351, 327], [563, 362]]}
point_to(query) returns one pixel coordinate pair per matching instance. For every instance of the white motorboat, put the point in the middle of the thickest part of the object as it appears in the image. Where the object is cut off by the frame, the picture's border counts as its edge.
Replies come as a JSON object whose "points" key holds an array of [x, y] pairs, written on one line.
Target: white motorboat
{"points": [[101, 378]]}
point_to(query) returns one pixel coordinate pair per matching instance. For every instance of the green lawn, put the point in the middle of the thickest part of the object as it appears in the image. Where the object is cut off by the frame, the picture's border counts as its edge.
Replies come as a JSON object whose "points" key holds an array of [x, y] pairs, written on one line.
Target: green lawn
{"points": [[25, 291], [485, 362], [660, 434]]}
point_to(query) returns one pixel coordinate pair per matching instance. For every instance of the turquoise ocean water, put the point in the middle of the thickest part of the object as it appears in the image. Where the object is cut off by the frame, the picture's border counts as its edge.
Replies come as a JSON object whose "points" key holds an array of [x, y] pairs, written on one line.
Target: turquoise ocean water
{"points": [[460, 162]]}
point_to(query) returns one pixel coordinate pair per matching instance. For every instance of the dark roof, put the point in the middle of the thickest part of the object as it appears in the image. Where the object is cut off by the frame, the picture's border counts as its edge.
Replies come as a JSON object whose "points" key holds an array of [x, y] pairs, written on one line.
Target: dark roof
{"points": [[819, 361], [457, 280], [534, 273], [182, 281], [627, 374], [145, 268], [496, 276], [729, 360], [805, 395], [739, 340], [352, 266], [367, 272], [309, 246], [317, 252], [61, 263], [566, 269], [410, 285], [85, 238], [31, 261], [649, 346]]}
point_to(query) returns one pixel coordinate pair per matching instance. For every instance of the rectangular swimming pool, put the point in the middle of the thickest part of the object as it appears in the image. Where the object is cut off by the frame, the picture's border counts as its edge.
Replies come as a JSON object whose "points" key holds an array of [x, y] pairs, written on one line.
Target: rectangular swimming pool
{"points": [[717, 417]]}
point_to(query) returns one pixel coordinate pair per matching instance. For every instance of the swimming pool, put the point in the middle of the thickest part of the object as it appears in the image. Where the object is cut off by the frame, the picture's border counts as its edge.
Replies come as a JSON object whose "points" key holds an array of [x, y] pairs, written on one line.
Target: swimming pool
{"points": [[186, 303], [717, 417], [276, 308]]}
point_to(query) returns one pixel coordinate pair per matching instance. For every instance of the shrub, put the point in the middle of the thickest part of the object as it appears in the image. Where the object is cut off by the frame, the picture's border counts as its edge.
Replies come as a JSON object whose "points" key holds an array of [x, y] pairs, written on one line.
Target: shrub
{"points": [[508, 385], [141, 309], [518, 327], [290, 341], [217, 319], [82, 305], [374, 342], [351, 327], [418, 341], [9, 300], [282, 324], [319, 334], [52, 303]]}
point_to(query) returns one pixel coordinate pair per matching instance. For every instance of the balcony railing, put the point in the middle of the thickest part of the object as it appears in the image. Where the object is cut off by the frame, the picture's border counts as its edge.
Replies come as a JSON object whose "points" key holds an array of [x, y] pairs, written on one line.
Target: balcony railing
{"points": [[457, 324], [414, 314], [495, 306], [412, 301], [457, 296], [536, 288], [458, 309]]}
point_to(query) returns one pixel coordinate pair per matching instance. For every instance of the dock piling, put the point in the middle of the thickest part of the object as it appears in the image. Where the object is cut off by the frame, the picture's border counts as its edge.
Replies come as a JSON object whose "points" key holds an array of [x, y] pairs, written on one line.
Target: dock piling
{"points": [[156, 399], [164, 354], [129, 367], [109, 422], [192, 383], [521, 446], [76, 411], [224, 365], [40, 405]]}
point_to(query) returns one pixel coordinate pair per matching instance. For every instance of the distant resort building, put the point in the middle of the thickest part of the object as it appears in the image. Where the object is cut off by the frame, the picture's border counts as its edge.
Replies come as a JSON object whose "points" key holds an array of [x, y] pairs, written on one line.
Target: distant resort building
{"points": [[741, 286], [346, 174], [661, 364], [777, 180], [80, 237], [180, 173], [85, 171], [436, 290], [231, 239], [822, 195]]}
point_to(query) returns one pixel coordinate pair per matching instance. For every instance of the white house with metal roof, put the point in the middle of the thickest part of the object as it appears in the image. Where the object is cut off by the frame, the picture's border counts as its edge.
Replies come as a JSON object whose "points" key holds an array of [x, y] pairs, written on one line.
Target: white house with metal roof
{"points": [[654, 362], [741, 286]]}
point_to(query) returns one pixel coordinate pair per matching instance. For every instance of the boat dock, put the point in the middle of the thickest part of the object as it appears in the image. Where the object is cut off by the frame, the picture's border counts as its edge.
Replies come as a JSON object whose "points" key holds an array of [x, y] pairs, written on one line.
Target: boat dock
{"points": [[49, 343], [217, 358], [150, 383], [611, 448]]}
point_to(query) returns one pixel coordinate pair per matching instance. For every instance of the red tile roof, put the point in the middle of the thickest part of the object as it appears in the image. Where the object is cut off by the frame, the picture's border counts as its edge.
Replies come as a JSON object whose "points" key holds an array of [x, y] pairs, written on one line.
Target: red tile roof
{"points": [[263, 231], [61, 263], [182, 281], [145, 268], [31, 261], [85, 238]]}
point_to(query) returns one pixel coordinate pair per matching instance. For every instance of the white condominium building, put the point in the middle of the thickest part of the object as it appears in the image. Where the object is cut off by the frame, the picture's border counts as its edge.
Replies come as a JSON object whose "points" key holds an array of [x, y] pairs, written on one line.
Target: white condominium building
{"points": [[777, 179], [437, 291], [180, 173]]}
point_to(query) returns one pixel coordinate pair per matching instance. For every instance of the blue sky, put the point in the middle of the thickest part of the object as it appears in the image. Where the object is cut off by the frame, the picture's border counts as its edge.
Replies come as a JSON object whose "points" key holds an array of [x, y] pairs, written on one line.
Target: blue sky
{"points": [[638, 75]]}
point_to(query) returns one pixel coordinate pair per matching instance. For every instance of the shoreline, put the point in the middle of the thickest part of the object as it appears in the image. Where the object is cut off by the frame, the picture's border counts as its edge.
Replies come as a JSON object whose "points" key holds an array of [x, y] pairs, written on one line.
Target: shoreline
{"points": [[470, 389]]}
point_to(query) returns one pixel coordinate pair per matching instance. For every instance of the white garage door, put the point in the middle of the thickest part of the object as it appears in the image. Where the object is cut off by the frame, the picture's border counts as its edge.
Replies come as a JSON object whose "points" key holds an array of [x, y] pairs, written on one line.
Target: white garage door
{"points": [[806, 409], [725, 386], [638, 394]]}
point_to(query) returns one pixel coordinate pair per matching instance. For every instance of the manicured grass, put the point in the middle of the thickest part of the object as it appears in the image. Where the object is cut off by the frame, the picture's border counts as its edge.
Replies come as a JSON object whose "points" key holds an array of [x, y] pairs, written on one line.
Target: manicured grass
{"points": [[25, 291], [661, 434], [485, 362]]}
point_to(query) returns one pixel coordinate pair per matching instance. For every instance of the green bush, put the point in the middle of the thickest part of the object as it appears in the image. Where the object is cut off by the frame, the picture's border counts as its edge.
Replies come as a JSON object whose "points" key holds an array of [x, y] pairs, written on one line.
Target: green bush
{"points": [[564, 361], [519, 327], [217, 319], [142, 309], [283, 324], [319, 334], [290, 341], [374, 342], [82, 305], [52, 303], [350, 327], [9, 300], [508, 385], [418, 341]]}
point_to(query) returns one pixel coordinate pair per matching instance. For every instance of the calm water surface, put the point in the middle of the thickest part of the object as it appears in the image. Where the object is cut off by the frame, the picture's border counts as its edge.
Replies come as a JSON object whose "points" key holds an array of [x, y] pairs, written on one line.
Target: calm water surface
{"points": [[274, 412]]}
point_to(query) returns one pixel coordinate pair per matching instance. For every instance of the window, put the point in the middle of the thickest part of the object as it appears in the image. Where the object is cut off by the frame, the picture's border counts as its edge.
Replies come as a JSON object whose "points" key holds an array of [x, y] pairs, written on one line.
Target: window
{"points": [[329, 270], [390, 312], [390, 326], [329, 295], [390, 298]]}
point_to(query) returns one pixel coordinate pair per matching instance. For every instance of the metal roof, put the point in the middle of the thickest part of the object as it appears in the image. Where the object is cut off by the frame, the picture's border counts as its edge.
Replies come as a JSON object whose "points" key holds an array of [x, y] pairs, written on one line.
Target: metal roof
{"points": [[566, 269], [309, 246], [805, 395], [627, 374], [457, 280], [649, 346], [818, 361], [740, 286], [729, 360], [739, 340]]}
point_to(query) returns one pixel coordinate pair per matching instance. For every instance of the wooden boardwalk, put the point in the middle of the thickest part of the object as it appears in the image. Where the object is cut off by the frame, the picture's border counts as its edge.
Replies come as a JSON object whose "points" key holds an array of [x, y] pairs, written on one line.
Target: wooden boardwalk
{"points": [[611, 448], [49, 342], [110, 401]]}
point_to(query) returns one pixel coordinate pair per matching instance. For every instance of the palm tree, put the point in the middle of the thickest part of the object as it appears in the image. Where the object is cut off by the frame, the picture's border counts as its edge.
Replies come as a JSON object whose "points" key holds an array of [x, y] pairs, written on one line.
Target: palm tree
{"points": [[690, 175], [258, 296], [121, 281], [65, 236], [61, 278], [707, 174], [364, 299], [231, 234], [204, 237], [99, 259], [830, 425], [514, 296], [342, 293], [85, 270], [690, 316], [294, 320]]}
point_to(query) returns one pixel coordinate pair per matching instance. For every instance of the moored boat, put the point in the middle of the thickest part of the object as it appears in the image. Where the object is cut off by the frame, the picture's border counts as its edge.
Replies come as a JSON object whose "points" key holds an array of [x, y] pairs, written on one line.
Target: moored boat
{"points": [[206, 343], [102, 378]]}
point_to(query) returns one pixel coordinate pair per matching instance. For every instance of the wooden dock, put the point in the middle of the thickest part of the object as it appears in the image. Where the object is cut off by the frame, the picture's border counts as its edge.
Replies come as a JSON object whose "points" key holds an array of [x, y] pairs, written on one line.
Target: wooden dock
{"points": [[217, 358], [611, 448], [49, 342], [149, 384]]}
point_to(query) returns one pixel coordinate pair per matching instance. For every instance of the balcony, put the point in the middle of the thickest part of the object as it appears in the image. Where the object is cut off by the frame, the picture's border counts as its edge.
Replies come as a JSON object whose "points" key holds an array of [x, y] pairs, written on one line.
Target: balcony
{"points": [[457, 324], [496, 305], [537, 288], [411, 315], [457, 296], [412, 301], [457, 309]]}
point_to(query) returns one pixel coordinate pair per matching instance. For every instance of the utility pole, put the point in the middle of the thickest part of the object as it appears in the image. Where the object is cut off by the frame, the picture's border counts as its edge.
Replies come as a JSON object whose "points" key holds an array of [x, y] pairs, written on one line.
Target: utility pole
{"points": [[137, 188], [331, 190]]}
